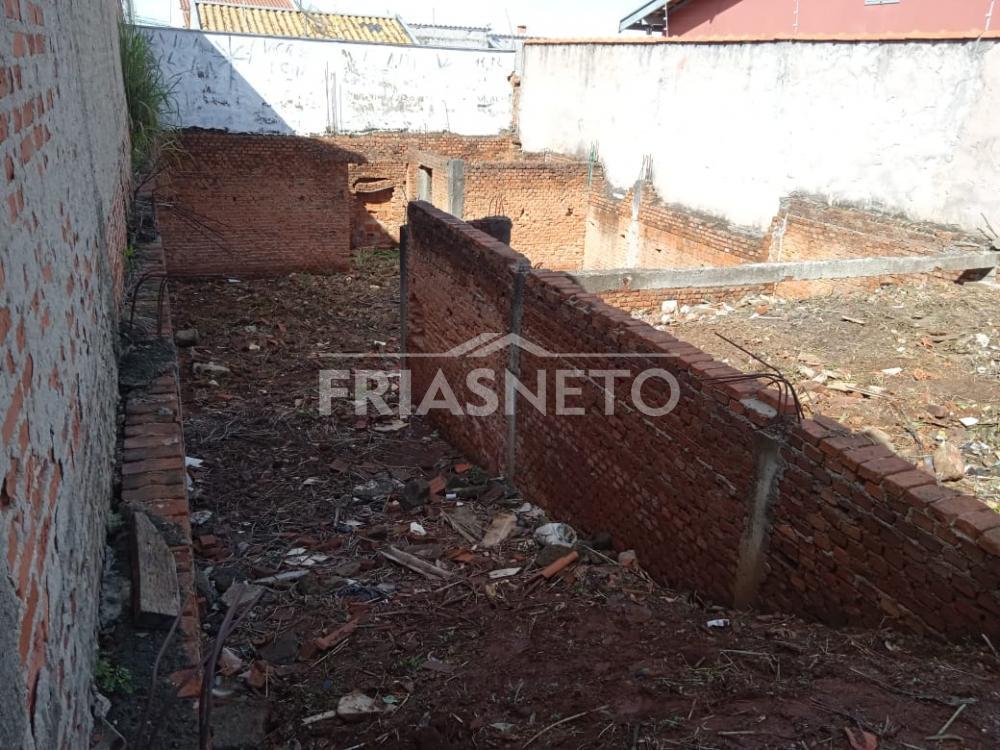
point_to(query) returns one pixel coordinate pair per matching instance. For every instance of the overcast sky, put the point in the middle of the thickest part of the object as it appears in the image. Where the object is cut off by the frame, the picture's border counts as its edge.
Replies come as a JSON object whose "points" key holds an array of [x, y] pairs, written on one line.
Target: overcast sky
{"points": [[543, 17]]}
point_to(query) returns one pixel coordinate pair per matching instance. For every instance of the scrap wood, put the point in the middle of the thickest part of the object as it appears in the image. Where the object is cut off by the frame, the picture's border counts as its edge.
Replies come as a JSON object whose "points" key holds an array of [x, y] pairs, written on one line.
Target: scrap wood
{"points": [[460, 528], [501, 527], [414, 563]]}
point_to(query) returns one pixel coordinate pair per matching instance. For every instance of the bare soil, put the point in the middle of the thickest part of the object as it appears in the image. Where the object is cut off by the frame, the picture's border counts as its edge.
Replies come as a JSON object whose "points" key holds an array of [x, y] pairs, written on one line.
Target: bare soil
{"points": [[597, 656], [943, 338]]}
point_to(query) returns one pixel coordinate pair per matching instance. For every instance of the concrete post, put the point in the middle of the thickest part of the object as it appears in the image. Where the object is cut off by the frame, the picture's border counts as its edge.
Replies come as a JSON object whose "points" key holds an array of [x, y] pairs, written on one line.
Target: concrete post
{"points": [[456, 187], [514, 369], [404, 291], [753, 545]]}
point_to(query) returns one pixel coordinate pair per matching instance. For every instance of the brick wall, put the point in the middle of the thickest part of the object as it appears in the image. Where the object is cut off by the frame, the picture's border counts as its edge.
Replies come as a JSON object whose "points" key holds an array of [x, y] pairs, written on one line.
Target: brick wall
{"points": [[63, 151], [546, 200], [651, 299], [663, 236], [390, 162], [808, 519], [255, 204], [154, 477], [810, 227]]}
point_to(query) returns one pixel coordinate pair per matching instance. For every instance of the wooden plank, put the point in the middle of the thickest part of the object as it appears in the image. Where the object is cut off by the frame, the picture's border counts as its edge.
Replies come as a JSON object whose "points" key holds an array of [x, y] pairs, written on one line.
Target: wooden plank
{"points": [[155, 597]]}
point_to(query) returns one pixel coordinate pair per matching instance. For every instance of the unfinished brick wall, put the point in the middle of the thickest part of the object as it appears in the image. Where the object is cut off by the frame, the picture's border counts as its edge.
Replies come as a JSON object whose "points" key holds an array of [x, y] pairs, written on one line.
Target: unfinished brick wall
{"points": [[383, 185], [255, 205], [632, 300], [646, 233], [443, 315], [546, 200], [811, 519], [63, 150], [154, 475], [258, 205], [809, 227]]}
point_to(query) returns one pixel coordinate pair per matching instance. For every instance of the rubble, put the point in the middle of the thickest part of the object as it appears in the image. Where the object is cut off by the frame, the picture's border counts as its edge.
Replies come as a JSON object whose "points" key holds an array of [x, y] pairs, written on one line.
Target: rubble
{"points": [[401, 638], [949, 466]]}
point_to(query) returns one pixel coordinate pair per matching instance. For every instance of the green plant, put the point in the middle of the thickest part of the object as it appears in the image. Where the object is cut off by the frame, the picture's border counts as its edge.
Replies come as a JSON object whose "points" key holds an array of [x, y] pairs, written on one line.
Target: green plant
{"points": [[149, 98], [113, 678], [376, 259]]}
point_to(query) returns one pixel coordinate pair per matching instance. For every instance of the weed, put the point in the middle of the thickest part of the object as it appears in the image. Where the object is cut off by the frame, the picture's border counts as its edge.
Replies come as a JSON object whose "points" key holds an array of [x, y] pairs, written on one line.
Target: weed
{"points": [[376, 259], [113, 678]]}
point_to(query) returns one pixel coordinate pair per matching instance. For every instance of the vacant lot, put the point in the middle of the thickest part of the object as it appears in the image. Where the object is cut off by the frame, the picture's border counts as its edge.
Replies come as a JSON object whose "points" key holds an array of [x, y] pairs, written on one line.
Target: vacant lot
{"points": [[596, 656]]}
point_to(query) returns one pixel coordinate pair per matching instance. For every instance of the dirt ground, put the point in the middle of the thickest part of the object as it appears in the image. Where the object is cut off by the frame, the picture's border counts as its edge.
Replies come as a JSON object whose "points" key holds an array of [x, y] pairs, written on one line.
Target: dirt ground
{"points": [[594, 656], [910, 361]]}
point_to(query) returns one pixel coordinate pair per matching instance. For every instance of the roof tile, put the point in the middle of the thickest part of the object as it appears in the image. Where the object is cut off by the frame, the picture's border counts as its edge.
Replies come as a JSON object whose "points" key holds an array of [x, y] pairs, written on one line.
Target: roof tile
{"points": [[236, 19]]}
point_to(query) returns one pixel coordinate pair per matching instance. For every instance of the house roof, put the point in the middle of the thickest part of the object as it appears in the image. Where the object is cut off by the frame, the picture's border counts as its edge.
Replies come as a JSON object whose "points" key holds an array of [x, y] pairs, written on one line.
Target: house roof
{"points": [[278, 4], [650, 16], [270, 21]]}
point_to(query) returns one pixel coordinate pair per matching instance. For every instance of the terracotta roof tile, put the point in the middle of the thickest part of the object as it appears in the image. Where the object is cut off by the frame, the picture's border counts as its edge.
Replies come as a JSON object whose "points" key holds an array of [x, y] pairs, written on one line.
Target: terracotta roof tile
{"points": [[237, 19]]}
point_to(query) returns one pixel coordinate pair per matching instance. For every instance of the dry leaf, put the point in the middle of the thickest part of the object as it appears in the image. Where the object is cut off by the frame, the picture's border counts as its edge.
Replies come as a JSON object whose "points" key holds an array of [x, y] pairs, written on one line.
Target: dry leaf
{"points": [[861, 740]]}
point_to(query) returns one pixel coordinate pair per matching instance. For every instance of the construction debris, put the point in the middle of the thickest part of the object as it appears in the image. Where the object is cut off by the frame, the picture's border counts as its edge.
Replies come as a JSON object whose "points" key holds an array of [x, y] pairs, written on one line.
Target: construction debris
{"points": [[440, 642], [414, 563], [500, 528], [155, 597]]}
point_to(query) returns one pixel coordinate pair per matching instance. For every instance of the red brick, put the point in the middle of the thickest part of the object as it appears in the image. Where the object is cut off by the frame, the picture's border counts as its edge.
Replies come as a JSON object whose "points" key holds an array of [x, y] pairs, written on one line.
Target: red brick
{"points": [[897, 484], [884, 467], [973, 524], [990, 541]]}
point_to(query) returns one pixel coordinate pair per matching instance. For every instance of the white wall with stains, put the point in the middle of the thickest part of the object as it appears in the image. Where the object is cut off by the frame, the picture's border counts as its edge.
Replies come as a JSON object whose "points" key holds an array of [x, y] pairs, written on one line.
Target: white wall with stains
{"points": [[912, 127], [255, 84]]}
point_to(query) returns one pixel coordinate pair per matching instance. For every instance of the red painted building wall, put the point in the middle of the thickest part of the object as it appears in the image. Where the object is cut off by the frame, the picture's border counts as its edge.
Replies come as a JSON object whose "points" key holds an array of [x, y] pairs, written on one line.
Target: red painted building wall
{"points": [[698, 19]]}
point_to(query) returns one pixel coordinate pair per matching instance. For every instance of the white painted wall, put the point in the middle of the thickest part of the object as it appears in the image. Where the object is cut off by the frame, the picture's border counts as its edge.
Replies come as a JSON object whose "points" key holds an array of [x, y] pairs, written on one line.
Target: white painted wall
{"points": [[731, 128], [255, 84]]}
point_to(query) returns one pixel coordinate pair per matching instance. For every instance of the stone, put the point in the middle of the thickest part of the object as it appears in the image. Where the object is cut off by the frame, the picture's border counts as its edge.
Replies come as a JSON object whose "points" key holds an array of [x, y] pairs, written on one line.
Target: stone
{"points": [[209, 368], [348, 569], [239, 726], [937, 411], [205, 586], [357, 706], [949, 466], [224, 577], [628, 559], [186, 337], [879, 436], [377, 489], [415, 493], [240, 592]]}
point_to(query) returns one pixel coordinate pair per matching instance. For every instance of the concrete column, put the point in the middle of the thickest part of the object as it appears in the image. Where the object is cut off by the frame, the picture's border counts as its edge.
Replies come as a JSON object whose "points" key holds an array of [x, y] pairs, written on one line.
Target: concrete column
{"points": [[753, 546], [456, 187], [404, 290], [514, 368]]}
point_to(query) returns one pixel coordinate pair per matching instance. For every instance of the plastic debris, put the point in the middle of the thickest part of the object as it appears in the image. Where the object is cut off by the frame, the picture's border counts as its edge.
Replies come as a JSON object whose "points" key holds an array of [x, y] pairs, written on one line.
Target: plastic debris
{"points": [[561, 534], [504, 573]]}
